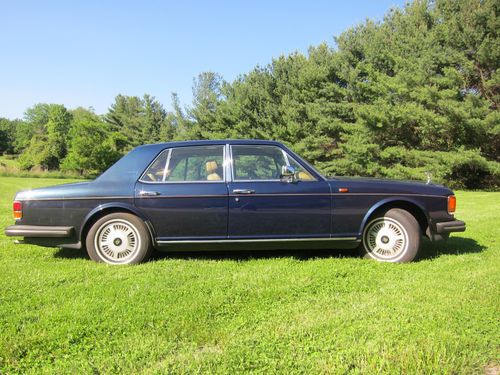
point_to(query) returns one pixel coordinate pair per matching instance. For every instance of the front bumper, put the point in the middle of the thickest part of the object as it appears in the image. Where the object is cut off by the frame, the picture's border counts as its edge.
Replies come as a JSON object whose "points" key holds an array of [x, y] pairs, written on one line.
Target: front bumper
{"points": [[38, 231], [446, 227]]}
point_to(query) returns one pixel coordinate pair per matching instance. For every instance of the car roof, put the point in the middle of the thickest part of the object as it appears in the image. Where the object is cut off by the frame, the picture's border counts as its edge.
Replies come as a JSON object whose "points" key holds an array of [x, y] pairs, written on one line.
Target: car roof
{"points": [[134, 163], [212, 142]]}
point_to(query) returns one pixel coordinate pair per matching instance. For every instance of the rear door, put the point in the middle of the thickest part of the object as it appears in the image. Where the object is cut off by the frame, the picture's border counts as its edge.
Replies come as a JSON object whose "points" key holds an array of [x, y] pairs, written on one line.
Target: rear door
{"points": [[184, 194], [261, 205]]}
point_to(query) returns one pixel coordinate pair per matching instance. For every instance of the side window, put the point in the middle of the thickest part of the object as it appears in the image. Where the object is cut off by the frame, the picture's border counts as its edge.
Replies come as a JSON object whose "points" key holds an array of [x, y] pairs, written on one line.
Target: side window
{"points": [[203, 163], [257, 162], [156, 170], [301, 172], [252, 163], [200, 163]]}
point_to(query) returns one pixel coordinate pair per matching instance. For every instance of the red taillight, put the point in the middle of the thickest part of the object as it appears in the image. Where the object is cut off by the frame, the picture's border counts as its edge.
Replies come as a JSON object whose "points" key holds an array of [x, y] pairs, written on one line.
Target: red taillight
{"points": [[18, 210], [452, 204]]}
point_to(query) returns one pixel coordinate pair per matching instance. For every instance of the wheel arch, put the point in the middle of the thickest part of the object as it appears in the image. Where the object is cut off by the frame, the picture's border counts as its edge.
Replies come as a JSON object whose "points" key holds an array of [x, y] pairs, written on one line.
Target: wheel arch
{"points": [[109, 208], [410, 205]]}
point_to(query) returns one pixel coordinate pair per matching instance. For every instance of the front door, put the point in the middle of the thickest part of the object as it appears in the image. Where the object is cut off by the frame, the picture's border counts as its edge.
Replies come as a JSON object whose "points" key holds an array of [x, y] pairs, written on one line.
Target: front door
{"points": [[262, 205], [184, 194]]}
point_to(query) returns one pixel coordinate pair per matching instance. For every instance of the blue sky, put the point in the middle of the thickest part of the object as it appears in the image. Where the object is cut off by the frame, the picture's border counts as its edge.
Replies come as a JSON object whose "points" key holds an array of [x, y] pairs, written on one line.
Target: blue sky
{"points": [[85, 53]]}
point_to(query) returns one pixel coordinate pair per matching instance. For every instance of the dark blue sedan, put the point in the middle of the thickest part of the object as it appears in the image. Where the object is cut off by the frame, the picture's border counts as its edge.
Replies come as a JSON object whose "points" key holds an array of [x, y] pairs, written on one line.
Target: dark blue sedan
{"points": [[227, 195]]}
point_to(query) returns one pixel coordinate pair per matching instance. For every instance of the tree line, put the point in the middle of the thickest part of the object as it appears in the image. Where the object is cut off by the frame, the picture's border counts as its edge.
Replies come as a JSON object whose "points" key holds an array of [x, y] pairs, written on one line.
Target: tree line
{"points": [[418, 91]]}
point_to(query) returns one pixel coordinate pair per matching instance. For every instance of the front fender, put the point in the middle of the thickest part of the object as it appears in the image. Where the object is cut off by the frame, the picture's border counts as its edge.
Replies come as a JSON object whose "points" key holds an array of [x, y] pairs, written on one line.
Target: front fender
{"points": [[388, 201]]}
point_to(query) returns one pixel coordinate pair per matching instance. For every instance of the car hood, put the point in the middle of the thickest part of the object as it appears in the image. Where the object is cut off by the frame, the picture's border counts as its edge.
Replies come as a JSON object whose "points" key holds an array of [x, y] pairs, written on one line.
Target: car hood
{"points": [[378, 185]]}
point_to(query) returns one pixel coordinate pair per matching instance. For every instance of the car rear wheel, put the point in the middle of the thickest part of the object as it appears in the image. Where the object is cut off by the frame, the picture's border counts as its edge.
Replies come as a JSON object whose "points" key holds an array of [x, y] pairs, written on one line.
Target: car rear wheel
{"points": [[119, 238], [392, 236]]}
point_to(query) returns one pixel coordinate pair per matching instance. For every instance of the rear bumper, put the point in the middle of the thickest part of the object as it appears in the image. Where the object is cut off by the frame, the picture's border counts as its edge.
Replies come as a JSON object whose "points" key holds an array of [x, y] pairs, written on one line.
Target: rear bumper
{"points": [[446, 227], [38, 231]]}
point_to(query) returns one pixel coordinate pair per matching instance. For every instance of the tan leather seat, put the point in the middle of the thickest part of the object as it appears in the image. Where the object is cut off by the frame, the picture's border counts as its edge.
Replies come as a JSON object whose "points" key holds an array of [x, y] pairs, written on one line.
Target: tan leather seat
{"points": [[212, 169], [305, 176]]}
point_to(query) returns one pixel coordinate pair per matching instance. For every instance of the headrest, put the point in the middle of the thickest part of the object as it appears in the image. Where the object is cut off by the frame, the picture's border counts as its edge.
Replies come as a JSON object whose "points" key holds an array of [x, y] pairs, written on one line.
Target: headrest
{"points": [[211, 166]]}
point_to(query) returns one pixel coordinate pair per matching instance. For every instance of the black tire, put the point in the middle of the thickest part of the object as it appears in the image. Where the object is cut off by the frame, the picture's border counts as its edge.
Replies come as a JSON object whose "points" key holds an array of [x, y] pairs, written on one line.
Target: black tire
{"points": [[391, 236], [119, 238]]}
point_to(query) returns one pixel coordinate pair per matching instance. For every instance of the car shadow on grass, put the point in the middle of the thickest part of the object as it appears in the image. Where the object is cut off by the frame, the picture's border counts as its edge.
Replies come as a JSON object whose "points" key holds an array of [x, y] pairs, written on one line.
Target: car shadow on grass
{"points": [[243, 255], [452, 246], [71, 254], [430, 250], [225, 254]]}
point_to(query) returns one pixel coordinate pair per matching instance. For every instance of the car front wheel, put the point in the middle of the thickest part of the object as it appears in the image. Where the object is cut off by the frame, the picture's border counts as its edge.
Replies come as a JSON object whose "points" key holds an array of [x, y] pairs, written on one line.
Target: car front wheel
{"points": [[119, 238], [392, 236]]}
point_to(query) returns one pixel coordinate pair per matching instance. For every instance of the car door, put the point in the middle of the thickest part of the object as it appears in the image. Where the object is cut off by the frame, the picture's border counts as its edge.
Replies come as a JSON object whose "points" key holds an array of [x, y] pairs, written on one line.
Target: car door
{"points": [[263, 205], [184, 194]]}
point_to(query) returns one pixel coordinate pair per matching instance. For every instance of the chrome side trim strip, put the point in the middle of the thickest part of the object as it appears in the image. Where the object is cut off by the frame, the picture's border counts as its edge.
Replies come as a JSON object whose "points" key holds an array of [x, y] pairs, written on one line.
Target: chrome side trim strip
{"points": [[345, 194], [165, 242], [293, 194], [284, 195], [393, 194], [233, 195], [74, 198], [186, 196]]}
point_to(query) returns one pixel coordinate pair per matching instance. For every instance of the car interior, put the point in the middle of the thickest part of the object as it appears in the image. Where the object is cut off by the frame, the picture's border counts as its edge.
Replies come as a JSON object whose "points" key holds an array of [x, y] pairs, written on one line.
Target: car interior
{"points": [[206, 164]]}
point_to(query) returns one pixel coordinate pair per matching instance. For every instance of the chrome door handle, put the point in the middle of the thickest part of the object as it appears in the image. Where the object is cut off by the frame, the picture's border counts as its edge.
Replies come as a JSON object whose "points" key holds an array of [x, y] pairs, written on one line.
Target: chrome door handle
{"points": [[144, 193], [243, 191]]}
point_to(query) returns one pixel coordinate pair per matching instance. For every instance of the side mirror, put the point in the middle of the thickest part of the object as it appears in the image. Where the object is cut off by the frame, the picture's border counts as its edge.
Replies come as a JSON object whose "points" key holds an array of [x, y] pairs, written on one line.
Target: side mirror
{"points": [[288, 174]]}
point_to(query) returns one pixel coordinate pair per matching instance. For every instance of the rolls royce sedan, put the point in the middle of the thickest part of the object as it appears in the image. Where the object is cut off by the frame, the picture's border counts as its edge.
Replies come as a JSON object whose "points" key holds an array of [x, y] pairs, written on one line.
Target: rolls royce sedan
{"points": [[231, 194]]}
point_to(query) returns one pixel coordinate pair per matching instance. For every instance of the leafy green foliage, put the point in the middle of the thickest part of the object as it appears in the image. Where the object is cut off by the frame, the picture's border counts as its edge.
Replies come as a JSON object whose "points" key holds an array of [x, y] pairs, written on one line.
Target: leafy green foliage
{"points": [[49, 124], [464, 169], [7, 135], [92, 147], [140, 120], [260, 312]]}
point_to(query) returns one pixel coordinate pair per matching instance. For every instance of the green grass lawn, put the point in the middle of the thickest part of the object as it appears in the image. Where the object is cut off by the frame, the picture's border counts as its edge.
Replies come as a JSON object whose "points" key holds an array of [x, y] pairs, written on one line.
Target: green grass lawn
{"points": [[282, 312]]}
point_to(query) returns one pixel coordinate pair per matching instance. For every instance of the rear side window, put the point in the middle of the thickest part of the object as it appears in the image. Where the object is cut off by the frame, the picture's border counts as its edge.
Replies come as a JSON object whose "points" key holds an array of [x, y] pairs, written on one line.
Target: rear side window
{"points": [[156, 170], [187, 164]]}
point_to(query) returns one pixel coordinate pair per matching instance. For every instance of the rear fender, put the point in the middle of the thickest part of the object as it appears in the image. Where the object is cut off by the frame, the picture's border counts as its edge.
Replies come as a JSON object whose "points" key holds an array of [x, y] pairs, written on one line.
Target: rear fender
{"points": [[111, 207]]}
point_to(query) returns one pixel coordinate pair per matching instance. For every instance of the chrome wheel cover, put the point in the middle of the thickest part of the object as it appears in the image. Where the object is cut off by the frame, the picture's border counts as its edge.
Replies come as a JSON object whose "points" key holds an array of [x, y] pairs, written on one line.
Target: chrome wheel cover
{"points": [[117, 241], [385, 239]]}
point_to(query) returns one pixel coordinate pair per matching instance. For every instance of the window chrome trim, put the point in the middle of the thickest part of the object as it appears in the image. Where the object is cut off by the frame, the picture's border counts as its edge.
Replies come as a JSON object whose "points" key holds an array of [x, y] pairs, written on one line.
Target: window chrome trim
{"points": [[223, 181], [228, 162], [268, 180], [183, 182], [166, 165], [285, 156]]}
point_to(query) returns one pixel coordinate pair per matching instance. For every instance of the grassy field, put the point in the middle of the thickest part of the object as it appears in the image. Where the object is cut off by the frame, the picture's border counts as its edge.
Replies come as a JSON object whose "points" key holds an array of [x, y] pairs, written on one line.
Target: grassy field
{"points": [[283, 312]]}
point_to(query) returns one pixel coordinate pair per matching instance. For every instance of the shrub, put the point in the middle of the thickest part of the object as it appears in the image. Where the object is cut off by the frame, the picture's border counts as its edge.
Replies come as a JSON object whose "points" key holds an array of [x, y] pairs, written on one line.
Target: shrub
{"points": [[460, 169]]}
